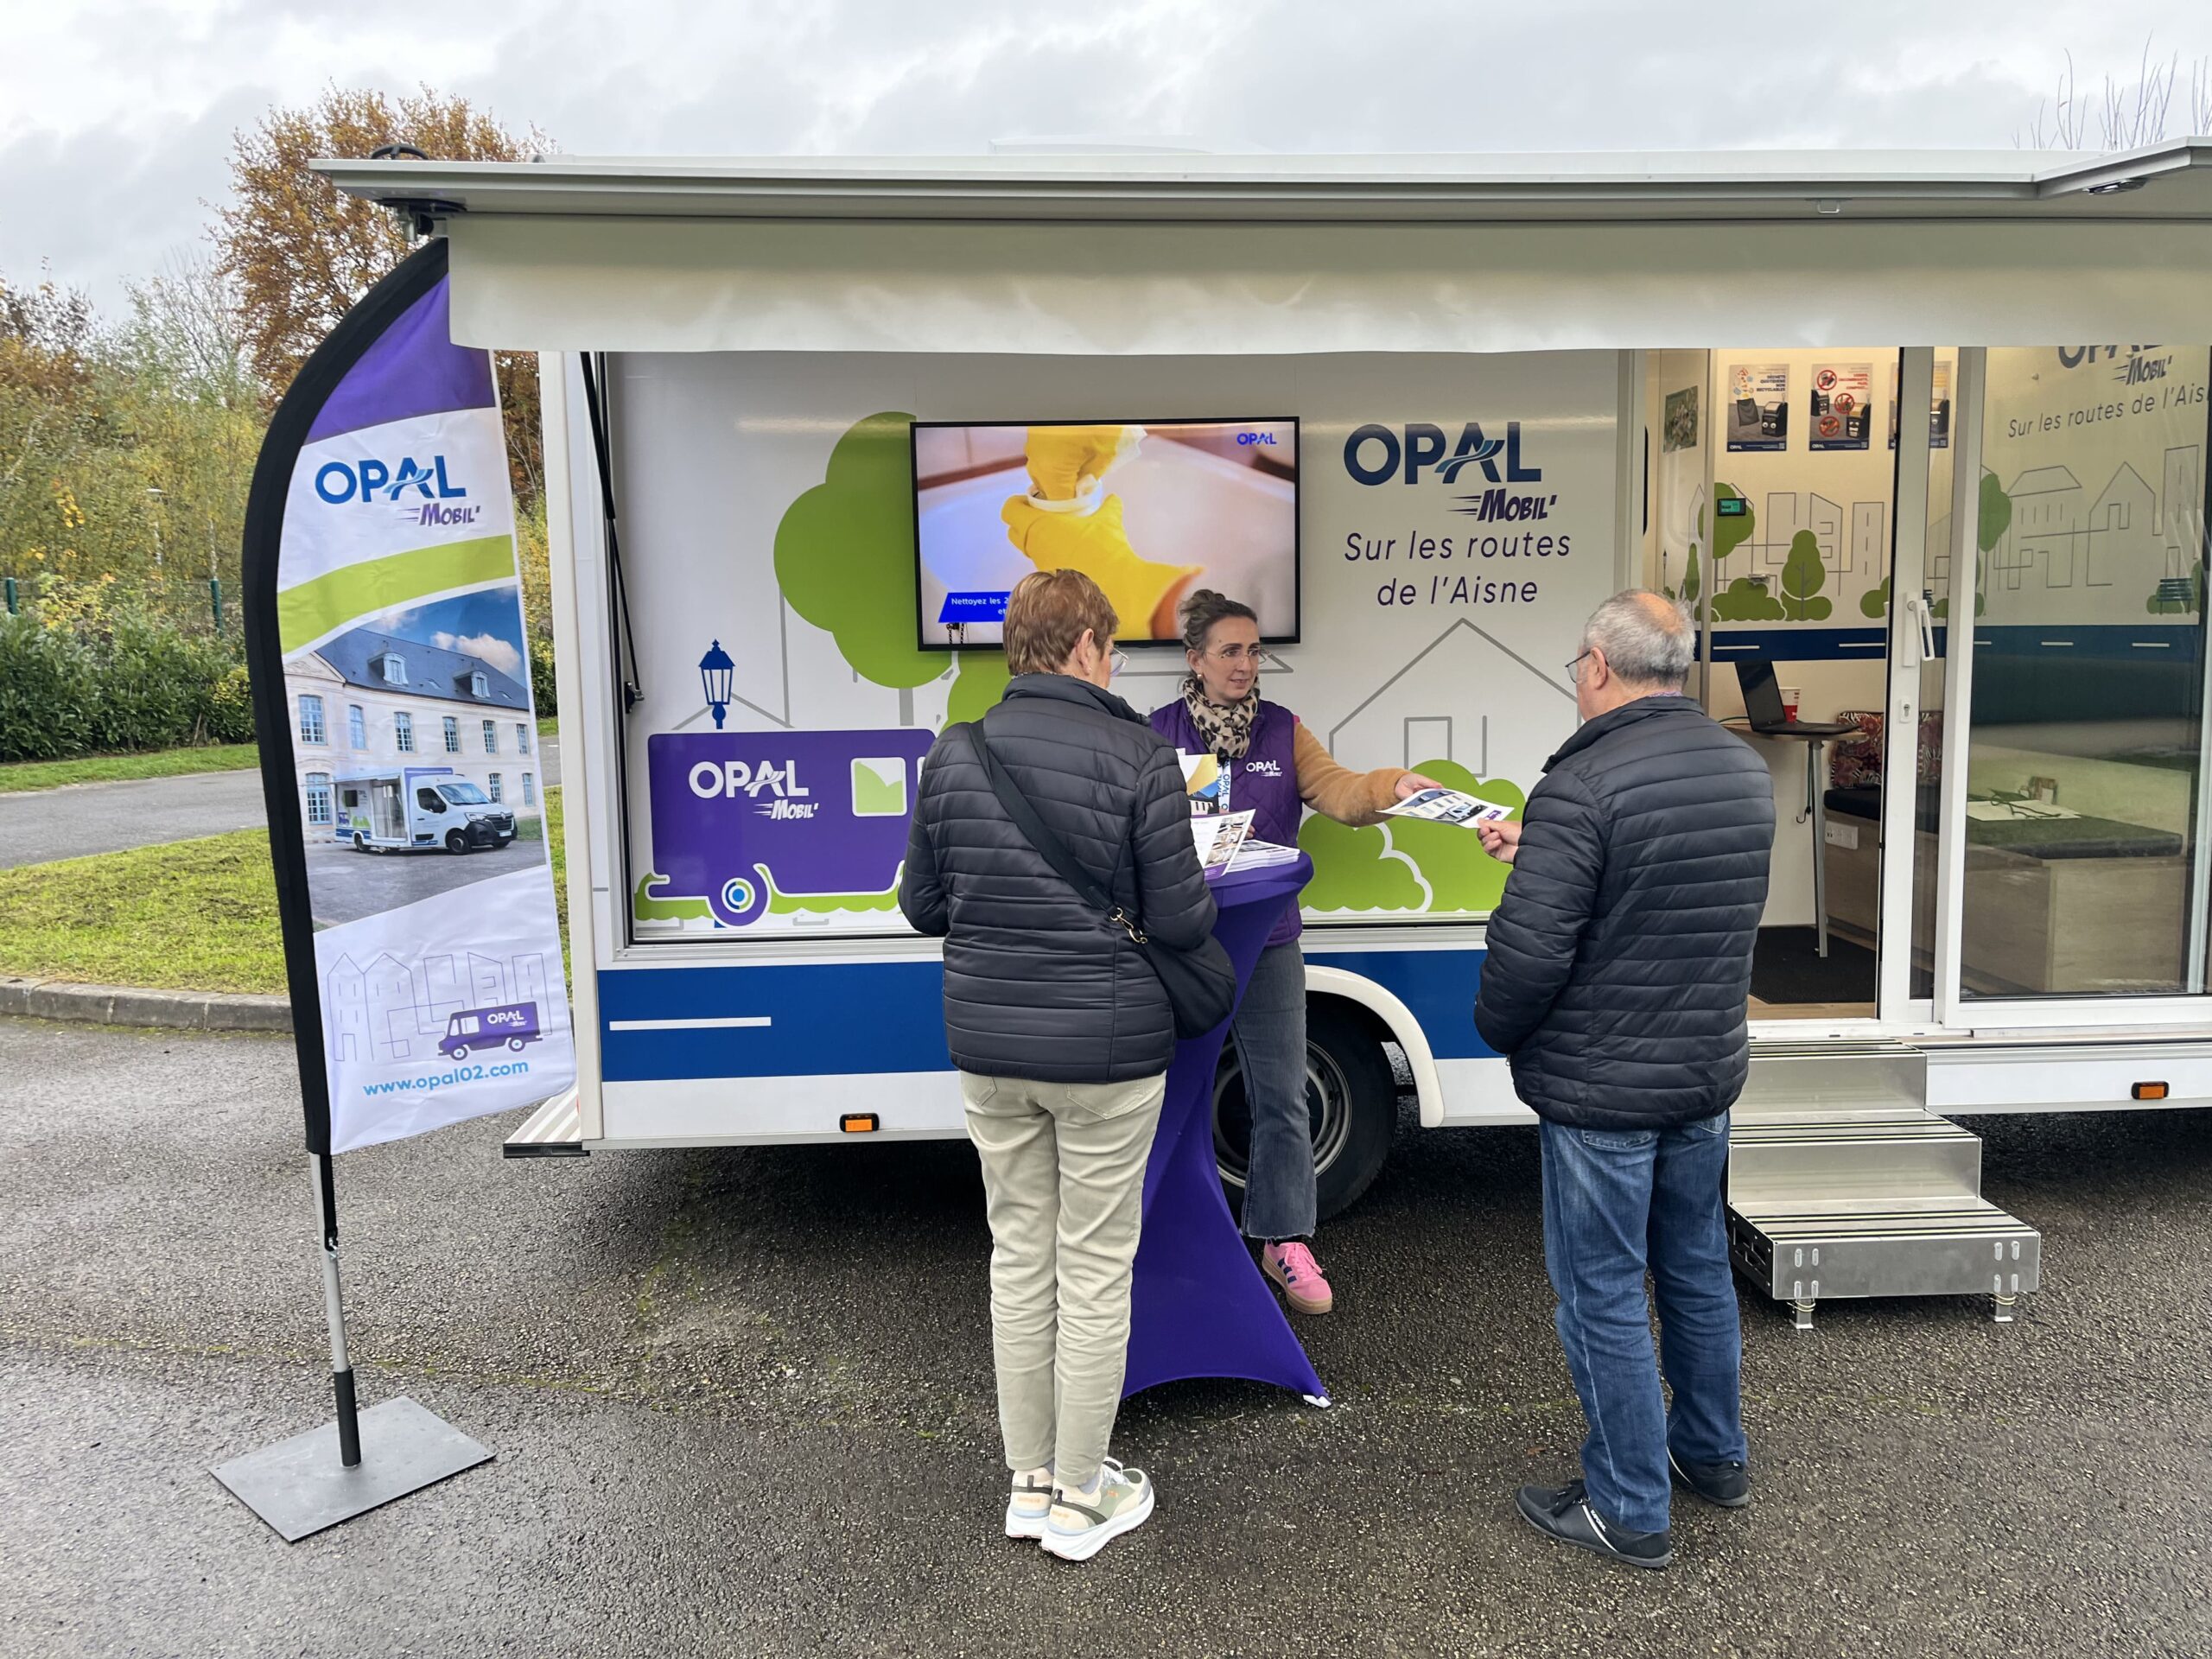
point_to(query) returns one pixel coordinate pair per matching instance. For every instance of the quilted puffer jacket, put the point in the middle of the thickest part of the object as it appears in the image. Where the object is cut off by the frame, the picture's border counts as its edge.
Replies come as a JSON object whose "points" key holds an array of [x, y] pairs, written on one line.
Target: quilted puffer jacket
{"points": [[1038, 984], [1620, 957]]}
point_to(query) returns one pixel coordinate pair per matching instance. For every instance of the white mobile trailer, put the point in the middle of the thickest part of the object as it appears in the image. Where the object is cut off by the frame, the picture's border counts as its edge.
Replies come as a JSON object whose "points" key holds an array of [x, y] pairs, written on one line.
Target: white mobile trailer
{"points": [[735, 352], [417, 809]]}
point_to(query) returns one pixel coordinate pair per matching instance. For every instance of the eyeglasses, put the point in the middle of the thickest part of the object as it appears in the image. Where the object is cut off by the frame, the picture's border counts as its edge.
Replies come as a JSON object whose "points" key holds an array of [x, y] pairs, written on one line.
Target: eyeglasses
{"points": [[1116, 663], [1235, 654], [1574, 668]]}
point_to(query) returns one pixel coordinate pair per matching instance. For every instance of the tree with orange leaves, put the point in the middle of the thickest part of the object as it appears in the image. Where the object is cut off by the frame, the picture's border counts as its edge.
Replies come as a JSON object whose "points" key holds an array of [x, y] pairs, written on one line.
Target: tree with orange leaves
{"points": [[300, 254]]}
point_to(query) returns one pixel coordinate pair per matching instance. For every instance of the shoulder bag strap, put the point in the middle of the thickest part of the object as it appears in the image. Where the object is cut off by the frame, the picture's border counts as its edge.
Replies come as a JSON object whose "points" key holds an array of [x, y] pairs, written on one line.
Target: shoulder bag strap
{"points": [[1047, 845]]}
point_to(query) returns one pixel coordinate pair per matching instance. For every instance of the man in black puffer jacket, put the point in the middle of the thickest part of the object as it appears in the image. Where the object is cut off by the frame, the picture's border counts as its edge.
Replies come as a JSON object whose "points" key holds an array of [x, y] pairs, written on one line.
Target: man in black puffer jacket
{"points": [[1061, 1031], [1617, 981]]}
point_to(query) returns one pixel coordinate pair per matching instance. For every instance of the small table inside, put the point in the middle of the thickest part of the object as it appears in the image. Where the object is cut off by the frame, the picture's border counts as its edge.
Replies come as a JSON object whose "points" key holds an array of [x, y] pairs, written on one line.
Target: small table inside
{"points": [[1816, 735]]}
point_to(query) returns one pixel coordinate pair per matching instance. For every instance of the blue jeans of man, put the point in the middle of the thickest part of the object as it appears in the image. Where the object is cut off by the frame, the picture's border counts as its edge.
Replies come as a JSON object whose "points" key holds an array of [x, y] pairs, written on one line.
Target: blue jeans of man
{"points": [[1618, 1202], [1270, 1038]]}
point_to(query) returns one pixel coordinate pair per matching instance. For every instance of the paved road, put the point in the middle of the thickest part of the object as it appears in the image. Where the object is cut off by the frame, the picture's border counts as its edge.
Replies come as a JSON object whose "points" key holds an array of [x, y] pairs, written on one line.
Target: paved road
{"points": [[742, 1402], [40, 825], [349, 885]]}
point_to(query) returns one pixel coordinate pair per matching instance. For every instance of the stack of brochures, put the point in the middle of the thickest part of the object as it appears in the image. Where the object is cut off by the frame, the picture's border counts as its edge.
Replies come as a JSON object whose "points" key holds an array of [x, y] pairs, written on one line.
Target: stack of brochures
{"points": [[1255, 854]]}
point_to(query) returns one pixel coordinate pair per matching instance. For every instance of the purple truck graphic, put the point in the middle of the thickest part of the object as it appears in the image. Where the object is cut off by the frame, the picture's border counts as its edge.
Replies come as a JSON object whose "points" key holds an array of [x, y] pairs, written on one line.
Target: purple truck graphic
{"points": [[514, 1024], [742, 817]]}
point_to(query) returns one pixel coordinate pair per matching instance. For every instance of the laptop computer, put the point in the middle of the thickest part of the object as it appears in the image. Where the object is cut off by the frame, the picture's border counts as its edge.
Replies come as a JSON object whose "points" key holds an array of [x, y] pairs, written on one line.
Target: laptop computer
{"points": [[1762, 705]]}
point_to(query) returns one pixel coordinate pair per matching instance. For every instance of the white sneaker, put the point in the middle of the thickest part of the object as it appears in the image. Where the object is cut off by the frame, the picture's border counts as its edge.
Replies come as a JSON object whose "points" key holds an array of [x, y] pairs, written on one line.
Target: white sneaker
{"points": [[1030, 1505], [1083, 1523]]}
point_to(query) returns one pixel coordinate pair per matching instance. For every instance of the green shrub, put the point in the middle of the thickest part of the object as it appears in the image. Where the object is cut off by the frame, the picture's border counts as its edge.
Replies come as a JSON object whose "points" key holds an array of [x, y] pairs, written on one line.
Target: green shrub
{"points": [[49, 695], [541, 678], [128, 681], [230, 708]]}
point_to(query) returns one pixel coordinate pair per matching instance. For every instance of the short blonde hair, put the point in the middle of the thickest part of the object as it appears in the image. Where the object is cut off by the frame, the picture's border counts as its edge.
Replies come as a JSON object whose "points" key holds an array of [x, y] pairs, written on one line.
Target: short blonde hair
{"points": [[1046, 616]]}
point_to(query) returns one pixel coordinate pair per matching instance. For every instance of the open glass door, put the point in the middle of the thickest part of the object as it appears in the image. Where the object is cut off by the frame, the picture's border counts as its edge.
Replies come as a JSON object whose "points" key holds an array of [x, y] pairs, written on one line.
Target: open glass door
{"points": [[2074, 869]]}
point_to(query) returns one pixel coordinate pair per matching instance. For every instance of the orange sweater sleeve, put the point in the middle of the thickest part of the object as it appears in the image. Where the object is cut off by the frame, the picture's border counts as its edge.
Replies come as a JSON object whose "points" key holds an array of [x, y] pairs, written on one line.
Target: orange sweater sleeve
{"points": [[1337, 792]]}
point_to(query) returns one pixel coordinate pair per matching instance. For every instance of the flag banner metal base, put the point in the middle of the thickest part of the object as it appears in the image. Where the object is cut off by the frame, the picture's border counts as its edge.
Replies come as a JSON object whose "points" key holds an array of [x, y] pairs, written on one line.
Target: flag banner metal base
{"points": [[300, 1487]]}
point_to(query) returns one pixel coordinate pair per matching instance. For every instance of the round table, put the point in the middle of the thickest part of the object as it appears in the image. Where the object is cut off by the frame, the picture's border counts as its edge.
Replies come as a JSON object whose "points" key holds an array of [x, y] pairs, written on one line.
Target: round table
{"points": [[1200, 1305]]}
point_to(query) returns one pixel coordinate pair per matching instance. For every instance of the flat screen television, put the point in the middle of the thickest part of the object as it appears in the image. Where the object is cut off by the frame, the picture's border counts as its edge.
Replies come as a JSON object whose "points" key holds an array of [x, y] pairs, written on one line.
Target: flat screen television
{"points": [[1150, 510]]}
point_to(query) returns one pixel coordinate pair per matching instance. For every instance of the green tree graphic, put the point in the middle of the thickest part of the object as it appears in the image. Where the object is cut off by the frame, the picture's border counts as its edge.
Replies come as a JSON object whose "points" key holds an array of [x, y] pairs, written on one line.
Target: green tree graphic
{"points": [[1994, 519], [1876, 603], [1352, 870], [1746, 600], [1803, 575], [1729, 534], [845, 561]]}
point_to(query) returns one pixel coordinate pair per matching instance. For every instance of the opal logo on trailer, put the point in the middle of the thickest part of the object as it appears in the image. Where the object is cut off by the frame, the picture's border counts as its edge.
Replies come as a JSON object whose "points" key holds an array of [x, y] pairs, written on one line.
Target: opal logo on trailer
{"points": [[1375, 455], [370, 480], [786, 796]]}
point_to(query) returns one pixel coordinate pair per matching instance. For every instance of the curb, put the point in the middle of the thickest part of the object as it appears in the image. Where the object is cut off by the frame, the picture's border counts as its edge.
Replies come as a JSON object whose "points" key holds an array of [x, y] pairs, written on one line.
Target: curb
{"points": [[129, 1005]]}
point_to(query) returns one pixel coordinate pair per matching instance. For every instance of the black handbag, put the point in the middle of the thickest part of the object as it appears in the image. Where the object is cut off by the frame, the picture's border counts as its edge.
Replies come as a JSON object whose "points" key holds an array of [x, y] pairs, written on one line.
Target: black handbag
{"points": [[1201, 984]]}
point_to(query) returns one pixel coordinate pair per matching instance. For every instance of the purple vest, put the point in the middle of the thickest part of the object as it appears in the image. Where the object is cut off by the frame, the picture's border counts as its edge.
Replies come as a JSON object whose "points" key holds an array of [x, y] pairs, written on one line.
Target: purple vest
{"points": [[1264, 780]]}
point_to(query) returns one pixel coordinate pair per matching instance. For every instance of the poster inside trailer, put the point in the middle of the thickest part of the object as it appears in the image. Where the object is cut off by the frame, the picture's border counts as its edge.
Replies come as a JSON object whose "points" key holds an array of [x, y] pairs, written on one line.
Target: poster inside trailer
{"points": [[1455, 525], [417, 776]]}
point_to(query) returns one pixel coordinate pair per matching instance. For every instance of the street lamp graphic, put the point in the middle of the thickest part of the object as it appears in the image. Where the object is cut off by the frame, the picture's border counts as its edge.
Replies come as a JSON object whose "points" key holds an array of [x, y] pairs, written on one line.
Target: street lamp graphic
{"points": [[715, 673]]}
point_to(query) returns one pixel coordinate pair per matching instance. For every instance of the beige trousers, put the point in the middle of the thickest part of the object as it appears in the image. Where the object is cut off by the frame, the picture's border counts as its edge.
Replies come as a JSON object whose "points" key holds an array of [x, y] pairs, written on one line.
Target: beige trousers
{"points": [[1064, 1174]]}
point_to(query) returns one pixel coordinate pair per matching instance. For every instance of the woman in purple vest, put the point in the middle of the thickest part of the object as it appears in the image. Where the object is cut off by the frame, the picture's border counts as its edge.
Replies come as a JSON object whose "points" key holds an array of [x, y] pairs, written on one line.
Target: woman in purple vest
{"points": [[1270, 764]]}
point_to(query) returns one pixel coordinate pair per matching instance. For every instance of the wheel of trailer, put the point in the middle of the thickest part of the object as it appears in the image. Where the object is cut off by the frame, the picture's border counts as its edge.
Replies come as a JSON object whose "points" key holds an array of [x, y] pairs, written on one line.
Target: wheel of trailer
{"points": [[1351, 1103], [360, 843], [456, 842]]}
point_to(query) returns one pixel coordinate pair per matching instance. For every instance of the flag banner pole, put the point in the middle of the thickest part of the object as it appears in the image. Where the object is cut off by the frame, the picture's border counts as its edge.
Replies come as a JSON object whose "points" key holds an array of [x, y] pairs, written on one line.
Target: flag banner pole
{"points": [[392, 704]]}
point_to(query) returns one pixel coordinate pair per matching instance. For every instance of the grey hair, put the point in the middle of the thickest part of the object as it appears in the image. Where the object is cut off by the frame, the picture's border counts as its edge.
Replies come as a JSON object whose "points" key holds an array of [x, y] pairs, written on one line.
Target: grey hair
{"points": [[1647, 637]]}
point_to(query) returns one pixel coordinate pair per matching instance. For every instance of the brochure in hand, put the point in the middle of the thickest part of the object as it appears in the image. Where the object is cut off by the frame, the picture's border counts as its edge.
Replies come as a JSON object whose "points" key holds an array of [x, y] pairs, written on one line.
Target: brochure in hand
{"points": [[1448, 806]]}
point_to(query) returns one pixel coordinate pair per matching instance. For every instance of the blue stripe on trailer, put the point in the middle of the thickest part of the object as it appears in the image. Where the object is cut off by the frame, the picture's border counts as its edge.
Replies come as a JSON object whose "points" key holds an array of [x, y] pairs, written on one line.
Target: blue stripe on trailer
{"points": [[836, 1019], [824, 1019], [1799, 645], [2153, 638], [1437, 986]]}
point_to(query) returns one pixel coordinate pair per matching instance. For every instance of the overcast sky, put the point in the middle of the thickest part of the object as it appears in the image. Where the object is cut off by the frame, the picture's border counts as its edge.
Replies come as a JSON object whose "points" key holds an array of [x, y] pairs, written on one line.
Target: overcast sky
{"points": [[116, 116]]}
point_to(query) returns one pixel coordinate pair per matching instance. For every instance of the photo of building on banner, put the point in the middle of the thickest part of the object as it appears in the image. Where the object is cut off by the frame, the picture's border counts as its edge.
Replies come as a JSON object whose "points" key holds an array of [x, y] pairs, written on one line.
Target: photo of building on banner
{"points": [[415, 761]]}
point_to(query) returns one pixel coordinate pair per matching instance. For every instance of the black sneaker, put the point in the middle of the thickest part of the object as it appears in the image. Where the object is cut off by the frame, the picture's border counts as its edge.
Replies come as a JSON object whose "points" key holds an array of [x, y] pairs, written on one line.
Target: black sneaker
{"points": [[1564, 1514], [1728, 1484]]}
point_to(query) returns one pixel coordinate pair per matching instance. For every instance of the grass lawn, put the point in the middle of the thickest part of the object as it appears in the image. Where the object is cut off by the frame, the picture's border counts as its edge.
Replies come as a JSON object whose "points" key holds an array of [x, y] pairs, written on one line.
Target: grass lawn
{"points": [[550, 726], [193, 915], [109, 768]]}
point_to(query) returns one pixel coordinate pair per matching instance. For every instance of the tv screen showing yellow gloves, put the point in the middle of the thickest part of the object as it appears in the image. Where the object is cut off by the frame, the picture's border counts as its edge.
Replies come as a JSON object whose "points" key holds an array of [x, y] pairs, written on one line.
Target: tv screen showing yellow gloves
{"points": [[1150, 511]]}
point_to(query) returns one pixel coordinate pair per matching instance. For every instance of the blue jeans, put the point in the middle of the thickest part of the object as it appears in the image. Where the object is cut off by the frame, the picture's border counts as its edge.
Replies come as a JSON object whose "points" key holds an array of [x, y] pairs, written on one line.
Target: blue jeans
{"points": [[1270, 1037], [1616, 1202]]}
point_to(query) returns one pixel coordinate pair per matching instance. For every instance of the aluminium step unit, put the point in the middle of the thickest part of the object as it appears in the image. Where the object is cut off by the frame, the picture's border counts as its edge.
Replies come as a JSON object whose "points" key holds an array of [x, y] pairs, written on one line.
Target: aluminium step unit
{"points": [[1841, 1183]]}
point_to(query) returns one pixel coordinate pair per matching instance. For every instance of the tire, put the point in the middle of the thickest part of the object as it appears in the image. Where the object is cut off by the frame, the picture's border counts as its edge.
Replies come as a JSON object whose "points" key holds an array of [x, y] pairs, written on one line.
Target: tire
{"points": [[360, 843], [515, 1045], [456, 842], [460, 1052], [1351, 1095]]}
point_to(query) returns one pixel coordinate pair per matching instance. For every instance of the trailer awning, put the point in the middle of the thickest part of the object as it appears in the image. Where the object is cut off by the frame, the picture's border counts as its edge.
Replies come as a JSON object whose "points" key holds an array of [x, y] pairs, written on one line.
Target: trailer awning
{"points": [[1182, 255]]}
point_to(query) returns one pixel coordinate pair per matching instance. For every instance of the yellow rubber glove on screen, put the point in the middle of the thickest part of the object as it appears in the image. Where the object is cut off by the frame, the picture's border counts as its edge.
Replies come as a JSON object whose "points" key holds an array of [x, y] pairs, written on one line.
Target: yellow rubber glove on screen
{"points": [[1066, 462], [1096, 544]]}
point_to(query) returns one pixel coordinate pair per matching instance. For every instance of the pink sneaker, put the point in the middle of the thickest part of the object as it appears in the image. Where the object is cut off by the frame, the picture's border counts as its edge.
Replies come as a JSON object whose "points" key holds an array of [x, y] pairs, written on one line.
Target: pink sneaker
{"points": [[1292, 1267]]}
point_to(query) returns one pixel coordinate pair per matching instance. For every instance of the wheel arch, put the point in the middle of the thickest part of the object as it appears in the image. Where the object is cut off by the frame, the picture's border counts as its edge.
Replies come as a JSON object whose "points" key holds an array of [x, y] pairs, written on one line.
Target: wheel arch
{"points": [[1396, 1022]]}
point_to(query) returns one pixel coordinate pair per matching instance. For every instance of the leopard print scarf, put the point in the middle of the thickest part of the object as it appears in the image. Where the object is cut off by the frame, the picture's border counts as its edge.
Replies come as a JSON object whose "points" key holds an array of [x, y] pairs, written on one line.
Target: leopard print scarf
{"points": [[1226, 728]]}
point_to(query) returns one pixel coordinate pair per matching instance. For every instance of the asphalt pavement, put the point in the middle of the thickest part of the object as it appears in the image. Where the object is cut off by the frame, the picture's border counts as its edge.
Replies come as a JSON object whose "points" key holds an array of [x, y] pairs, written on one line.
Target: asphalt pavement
{"points": [[37, 826], [741, 1404], [348, 884]]}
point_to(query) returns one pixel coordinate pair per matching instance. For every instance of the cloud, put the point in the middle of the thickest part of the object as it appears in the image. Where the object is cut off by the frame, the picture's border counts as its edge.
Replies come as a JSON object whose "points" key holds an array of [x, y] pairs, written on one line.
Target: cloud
{"points": [[116, 116], [493, 649]]}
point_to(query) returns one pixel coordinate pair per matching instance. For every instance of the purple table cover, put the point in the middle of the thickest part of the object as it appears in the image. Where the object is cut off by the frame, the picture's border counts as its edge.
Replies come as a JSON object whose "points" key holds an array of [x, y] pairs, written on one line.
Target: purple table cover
{"points": [[1199, 1304]]}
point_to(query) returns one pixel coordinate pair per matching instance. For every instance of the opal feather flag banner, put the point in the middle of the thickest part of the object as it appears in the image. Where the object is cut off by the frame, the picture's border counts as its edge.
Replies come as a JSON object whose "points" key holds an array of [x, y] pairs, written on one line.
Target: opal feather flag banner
{"points": [[400, 759]]}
